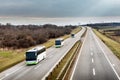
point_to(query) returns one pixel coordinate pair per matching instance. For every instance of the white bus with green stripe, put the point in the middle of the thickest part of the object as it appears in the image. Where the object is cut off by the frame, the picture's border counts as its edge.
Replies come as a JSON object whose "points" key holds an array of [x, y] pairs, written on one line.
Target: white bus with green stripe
{"points": [[59, 42], [35, 55]]}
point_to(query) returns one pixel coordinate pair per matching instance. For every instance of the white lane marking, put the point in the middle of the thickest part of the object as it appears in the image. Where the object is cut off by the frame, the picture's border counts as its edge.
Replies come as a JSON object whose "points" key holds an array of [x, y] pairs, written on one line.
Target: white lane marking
{"points": [[113, 65], [23, 73], [7, 74], [2, 78], [11, 73], [106, 57], [91, 54], [78, 58], [93, 71], [92, 60], [50, 56], [37, 66]]}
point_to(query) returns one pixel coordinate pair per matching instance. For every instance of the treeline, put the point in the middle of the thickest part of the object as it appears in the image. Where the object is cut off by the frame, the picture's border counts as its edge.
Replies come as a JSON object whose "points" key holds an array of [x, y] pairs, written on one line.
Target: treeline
{"points": [[23, 36], [103, 24]]}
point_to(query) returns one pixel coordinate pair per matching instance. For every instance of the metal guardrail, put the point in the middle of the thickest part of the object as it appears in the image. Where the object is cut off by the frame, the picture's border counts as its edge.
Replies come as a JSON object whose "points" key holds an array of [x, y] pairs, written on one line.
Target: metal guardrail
{"points": [[66, 67], [73, 57]]}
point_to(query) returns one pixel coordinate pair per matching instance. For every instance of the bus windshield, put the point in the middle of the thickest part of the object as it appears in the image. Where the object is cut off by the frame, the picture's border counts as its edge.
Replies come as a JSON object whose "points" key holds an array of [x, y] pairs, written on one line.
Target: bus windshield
{"points": [[30, 56], [57, 42]]}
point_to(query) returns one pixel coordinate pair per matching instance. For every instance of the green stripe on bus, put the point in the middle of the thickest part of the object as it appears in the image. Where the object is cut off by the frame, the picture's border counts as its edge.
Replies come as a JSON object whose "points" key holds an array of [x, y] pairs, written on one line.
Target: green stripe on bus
{"points": [[31, 62], [58, 46]]}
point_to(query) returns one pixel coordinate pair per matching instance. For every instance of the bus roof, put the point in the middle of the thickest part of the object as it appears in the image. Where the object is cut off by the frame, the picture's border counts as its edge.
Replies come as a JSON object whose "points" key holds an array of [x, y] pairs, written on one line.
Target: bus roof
{"points": [[36, 49], [60, 39], [72, 33]]}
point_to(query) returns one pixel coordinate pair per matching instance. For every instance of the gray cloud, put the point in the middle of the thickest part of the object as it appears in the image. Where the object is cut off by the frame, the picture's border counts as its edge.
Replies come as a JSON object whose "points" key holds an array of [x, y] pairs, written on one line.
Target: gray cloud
{"points": [[59, 8]]}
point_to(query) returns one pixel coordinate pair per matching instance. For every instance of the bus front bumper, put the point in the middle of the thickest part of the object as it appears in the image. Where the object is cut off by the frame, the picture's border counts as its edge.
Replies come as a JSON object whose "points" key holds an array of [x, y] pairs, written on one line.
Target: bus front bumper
{"points": [[31, 62], [57, 46]]}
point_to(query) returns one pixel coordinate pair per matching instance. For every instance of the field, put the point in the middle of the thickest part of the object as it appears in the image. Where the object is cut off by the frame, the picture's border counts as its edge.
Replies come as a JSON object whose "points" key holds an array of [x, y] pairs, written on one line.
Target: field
{"points": [[113, 33], [11, 57]]}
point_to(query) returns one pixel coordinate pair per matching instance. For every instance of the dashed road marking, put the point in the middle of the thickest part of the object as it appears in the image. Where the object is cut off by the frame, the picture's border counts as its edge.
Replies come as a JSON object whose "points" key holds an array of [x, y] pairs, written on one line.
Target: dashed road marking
{"points": [[92, 60], [106, 57], [94, 71], [37, 67], [91, 54], [113, 65]]}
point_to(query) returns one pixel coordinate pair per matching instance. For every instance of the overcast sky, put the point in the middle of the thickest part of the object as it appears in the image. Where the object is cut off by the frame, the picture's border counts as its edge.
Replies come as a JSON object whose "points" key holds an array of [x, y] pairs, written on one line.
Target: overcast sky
{"points": [[59, 8]]}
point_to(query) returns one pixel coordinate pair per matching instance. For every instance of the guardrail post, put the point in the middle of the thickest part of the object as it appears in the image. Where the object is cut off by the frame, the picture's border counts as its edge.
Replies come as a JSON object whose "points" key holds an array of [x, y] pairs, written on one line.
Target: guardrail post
{"points": [[51, 73], [46, 78]]}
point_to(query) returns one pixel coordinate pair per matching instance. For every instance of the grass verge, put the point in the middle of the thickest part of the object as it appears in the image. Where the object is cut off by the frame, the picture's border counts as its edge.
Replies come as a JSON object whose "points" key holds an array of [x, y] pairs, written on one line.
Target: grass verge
{"points": [[10, 57], [113, 45]]}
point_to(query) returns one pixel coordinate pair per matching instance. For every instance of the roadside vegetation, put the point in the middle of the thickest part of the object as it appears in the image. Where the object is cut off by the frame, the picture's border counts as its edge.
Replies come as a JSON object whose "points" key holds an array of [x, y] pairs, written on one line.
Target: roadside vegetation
{"points": [[15, 40], [113, 33], [12, 36], [112, 44], [111, 30]]}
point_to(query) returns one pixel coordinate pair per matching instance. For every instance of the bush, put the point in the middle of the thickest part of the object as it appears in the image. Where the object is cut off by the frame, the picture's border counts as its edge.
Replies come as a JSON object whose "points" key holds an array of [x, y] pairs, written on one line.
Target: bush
{"points": [[23, 36]]}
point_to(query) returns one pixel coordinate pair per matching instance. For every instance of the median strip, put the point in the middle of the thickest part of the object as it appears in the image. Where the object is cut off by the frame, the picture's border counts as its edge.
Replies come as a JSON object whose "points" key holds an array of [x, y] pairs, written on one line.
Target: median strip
{"points": [[60, 72]]}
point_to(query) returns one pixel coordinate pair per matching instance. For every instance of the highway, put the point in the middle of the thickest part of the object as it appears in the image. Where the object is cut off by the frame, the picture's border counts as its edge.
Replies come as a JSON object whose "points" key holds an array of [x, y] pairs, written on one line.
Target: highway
{"points": [[42, 69], [95, 61]]}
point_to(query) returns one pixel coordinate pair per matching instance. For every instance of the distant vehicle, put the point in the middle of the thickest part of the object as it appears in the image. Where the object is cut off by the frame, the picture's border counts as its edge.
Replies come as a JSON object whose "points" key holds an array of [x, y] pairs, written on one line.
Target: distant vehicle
{"points": [[35, 55], [72, 35], [59, 42]]}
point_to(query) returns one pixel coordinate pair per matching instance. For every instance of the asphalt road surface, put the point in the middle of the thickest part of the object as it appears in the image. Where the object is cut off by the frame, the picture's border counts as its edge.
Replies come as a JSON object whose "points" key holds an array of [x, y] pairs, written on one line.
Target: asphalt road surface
{"points": [[42, 69], [95, 61]]}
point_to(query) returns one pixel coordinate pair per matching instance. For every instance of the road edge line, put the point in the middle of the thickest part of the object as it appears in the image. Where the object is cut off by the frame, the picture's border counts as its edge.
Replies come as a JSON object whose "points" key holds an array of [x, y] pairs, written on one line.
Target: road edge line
{"points": [[78, 58], [106, 57]]}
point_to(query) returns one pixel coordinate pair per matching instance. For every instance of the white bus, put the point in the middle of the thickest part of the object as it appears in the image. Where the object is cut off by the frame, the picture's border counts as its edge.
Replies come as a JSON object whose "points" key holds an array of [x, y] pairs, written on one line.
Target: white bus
{"points": [[59, 42], [35, 55]]}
